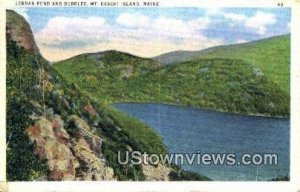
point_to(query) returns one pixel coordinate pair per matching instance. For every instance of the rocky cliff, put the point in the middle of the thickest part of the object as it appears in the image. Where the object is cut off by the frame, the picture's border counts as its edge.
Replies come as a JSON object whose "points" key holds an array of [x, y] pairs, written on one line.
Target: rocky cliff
{"points": [[53, 134], [54, 130]]}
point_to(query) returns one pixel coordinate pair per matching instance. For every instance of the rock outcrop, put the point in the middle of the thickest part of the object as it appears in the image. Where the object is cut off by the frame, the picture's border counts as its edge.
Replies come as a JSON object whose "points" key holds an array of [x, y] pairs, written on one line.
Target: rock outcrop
{"points": [[156, 173], [159, 172], [70, 156], [19, 30], [51, 144]]}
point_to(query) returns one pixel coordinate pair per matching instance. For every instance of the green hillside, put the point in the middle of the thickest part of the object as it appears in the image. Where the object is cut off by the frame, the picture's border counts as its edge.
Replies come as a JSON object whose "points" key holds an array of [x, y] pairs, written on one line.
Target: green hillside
{"points": [[105, 74], [219, 84], [271, 55], [56, 131]]}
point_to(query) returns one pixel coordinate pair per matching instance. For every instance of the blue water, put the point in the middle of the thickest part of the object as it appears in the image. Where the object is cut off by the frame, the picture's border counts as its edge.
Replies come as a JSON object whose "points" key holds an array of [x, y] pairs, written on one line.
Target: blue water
{"points": [[190, 130]]}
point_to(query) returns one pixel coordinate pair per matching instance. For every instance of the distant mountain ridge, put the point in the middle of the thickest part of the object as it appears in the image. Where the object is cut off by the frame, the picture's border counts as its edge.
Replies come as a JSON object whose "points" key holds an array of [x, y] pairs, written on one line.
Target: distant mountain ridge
{"points": [[179, 56], [272, 55]]}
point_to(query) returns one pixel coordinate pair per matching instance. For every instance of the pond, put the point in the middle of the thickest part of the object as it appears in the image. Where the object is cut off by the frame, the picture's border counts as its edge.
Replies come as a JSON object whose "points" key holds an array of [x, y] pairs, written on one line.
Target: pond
{"points": [[200, 131]]}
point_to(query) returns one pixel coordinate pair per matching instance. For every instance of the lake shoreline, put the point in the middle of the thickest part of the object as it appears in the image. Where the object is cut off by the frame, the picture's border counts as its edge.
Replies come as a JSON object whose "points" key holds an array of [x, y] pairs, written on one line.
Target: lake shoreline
{"points": [[203, 108]]}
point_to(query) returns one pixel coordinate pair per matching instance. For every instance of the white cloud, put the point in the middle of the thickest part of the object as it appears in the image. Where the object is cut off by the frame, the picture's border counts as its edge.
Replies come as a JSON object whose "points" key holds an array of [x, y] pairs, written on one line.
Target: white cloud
{"points": [[171, 27], [235, 17], [136, 34], [133, 20], [163, 26], [200, 23], [241, 41], [22, 11], [64, 29], [260, 21], [213, 11]]}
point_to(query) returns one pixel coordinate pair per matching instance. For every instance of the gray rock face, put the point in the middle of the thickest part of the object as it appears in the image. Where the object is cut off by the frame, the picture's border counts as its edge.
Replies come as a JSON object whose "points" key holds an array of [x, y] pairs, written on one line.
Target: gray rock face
{"points": [[19, 30]]}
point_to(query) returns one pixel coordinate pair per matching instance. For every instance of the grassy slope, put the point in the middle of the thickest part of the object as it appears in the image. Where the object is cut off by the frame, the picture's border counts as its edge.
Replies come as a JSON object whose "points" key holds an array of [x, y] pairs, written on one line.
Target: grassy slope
{"points": [[271, 55]]}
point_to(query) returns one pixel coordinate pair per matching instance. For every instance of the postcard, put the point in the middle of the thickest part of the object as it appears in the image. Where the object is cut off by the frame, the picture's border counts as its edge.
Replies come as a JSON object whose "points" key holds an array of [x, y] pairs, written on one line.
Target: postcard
{"points": [[150, 95]]}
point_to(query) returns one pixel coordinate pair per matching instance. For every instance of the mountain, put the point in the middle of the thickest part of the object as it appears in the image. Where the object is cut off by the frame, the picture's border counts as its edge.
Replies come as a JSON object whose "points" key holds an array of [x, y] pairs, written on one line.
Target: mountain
{"points": [[271, 55], [222, 84], [56, 131], [104, 74]]}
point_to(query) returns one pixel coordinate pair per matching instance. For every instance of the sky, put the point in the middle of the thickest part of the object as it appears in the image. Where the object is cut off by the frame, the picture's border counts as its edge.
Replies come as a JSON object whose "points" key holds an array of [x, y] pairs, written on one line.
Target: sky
{"points": [[61, 33]]}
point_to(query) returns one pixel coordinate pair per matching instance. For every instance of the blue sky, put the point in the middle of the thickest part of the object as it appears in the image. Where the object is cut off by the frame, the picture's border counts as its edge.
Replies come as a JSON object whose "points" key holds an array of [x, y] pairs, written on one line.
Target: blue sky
{"points": [[65, 32]]}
